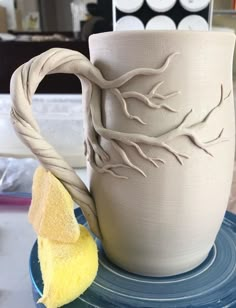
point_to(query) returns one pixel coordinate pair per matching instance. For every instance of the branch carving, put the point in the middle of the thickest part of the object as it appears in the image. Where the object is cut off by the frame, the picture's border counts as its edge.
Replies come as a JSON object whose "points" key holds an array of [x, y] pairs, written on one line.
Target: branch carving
{"points": [[134, 140], [145, 99], [24, 83]]}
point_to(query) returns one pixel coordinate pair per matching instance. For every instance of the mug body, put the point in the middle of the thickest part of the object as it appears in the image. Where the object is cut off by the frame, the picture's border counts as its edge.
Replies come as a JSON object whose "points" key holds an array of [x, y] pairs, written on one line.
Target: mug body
{"points": [[174, 160]]}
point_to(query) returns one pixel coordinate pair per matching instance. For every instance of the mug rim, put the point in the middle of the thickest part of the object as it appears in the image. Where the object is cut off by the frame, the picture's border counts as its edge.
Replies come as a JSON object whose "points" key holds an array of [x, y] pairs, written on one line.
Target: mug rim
{"points": [[133, 33]]}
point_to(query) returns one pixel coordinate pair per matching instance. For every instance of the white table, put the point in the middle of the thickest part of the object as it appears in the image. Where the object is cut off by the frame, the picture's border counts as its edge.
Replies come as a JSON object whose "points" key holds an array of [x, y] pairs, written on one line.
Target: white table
{"points": [[16, 240]]}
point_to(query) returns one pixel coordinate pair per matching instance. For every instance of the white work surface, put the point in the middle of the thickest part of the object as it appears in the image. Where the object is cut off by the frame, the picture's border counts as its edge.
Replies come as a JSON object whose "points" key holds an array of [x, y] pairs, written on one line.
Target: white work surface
{"points": [[16, 240]]}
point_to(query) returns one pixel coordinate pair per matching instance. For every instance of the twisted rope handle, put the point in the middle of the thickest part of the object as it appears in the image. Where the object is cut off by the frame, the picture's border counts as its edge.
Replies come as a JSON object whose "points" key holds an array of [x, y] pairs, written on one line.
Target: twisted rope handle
{"points": [[24, 83]]}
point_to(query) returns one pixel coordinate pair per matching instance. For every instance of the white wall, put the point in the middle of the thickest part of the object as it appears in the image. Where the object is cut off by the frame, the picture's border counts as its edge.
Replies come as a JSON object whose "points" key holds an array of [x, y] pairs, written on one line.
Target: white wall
{"points": [[84, 3], [27, 6], [9, 6]]}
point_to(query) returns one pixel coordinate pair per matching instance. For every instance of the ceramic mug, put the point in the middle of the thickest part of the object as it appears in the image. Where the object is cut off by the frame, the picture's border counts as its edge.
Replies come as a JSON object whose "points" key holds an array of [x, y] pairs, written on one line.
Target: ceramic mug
{"points": [[159, 139]]}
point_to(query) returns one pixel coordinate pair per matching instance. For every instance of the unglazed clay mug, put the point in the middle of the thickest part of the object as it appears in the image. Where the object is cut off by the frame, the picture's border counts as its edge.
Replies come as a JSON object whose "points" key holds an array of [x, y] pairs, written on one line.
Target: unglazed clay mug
{"points": [[159, 139]]}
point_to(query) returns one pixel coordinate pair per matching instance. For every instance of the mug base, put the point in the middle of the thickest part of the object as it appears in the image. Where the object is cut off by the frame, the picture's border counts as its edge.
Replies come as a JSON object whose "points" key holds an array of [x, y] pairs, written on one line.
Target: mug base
{"points": [[161, 270]]}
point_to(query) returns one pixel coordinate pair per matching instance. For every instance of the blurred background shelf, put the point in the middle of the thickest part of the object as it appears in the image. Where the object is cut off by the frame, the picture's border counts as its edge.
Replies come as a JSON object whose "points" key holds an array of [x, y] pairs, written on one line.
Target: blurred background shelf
{"points": [[224, 12], [15, 53]]}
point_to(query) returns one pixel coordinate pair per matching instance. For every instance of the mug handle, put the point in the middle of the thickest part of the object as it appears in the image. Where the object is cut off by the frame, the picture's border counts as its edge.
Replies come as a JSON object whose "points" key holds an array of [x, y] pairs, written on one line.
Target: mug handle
{"points": [[24, 83]]}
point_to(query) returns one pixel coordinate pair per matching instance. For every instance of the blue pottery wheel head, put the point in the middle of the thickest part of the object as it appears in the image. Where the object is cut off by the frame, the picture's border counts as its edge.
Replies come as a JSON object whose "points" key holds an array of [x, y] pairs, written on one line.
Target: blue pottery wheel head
{"points": [[212, 284]]}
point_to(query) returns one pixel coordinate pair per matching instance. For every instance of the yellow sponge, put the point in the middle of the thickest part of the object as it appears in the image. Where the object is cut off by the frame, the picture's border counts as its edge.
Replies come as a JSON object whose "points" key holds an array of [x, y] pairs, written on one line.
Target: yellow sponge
{"points": [[51, 212], [67, 269]]}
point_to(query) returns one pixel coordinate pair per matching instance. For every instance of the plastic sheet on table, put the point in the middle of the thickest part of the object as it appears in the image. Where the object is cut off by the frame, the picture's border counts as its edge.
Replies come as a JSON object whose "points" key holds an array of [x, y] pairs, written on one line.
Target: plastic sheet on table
{"points": [[16, 175]]}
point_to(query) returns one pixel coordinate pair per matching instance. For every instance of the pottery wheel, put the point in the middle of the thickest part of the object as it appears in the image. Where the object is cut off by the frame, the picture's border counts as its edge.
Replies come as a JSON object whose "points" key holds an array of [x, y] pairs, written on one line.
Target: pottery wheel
{"points": [[212, 284]]}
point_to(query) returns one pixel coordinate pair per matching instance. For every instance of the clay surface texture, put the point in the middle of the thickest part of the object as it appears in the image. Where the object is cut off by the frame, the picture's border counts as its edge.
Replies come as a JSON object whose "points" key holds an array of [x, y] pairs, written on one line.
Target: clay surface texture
{"points": [[159, 140]]}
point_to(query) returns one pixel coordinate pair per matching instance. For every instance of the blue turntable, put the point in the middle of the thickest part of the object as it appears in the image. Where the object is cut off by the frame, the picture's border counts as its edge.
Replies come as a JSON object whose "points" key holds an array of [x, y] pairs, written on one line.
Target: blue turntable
{"points": [[212, 284]]}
